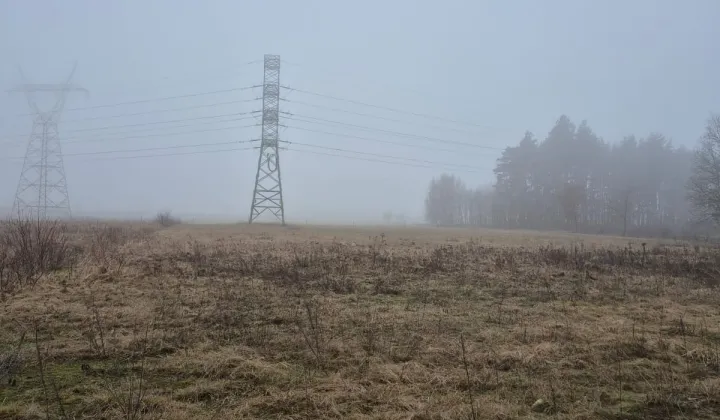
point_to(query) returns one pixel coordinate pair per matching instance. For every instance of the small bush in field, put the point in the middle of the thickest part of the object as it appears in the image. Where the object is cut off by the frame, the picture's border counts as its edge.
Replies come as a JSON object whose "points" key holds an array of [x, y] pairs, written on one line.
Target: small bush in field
{"points": [[166, 219], [30, 248]]}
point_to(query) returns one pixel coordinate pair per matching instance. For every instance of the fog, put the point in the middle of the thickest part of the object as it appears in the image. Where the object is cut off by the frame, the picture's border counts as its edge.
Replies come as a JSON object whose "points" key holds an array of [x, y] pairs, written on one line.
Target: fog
{"points": [[480, 73]]}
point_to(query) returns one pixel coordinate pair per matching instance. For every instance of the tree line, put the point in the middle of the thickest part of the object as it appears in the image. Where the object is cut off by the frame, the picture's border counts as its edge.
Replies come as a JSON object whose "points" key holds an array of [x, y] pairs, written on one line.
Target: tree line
{"points": [[575, 180]]}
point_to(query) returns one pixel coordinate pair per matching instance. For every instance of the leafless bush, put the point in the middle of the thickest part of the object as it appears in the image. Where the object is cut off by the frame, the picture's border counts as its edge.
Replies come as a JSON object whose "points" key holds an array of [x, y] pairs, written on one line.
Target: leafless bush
{"points": [[312, 330], [471, 397], [11, 363], [30, 248], [94, 330], [166, 219], [129, 399], [105, 242], [198, 258], [4, 266], [47, 380]]}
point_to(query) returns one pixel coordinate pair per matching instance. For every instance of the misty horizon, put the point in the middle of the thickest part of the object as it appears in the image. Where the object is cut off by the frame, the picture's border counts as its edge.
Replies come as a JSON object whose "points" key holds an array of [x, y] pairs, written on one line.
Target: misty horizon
{"points": [[480, 73]]}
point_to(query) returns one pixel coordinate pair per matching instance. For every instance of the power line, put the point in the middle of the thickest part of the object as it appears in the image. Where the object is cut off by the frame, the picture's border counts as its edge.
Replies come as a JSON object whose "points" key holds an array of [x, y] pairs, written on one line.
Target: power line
{"points": [[186, 80], [167, 98], [153, 149], [383, 156], [368, 159], [82, 139], [375, 140], [156, 111], [109, 127], [375, 84], [149, 149], [163, 134], [396, 133], [18, 135], [199, 152], [416, 114], [362, 114], [164, 98]]}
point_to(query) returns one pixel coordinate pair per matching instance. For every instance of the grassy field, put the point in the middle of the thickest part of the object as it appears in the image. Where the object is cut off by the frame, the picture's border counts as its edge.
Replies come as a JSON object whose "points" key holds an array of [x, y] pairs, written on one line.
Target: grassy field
{"points": [[237, 321]]}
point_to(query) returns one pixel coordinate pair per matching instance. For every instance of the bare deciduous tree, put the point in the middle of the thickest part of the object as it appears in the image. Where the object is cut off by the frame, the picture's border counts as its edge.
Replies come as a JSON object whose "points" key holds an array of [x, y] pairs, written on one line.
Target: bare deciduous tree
{"points": [[166, 219], [704, 184]]}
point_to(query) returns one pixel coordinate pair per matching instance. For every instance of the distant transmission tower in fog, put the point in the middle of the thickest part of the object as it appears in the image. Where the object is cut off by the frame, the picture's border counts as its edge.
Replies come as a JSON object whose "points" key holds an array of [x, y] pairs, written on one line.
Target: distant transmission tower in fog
{"points": [[267, 194], [42, 189]]}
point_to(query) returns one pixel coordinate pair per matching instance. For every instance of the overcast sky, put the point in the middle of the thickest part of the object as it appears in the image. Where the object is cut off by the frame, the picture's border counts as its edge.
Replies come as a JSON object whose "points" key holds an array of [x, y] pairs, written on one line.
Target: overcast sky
{"points": [[496, 68]]}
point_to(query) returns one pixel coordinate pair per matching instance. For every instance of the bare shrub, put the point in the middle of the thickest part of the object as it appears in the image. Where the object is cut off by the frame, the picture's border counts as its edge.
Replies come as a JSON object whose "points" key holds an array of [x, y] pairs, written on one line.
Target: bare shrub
{"points": [[166, 219], [11, 363], [94, 331], [128, 397], [47, 379], [312, 330], [105, 242], [4, 265], [29, 249], [471, 397]]}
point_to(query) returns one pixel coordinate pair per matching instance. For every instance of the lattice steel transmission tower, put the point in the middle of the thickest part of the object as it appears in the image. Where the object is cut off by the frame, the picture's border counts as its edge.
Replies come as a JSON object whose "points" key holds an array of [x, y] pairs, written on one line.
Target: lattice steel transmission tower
{"points": [[267, 194], [42, 189]]}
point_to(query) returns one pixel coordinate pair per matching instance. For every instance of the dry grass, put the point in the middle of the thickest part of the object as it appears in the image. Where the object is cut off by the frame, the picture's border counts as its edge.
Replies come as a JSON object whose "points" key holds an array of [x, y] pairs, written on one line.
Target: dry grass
{"points": [[230, 322]]}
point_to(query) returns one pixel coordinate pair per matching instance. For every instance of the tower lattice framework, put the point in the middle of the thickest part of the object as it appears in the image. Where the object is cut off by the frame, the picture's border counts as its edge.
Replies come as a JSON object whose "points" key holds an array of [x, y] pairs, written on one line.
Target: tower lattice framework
{"points": [[267, 194], [42, 190]]}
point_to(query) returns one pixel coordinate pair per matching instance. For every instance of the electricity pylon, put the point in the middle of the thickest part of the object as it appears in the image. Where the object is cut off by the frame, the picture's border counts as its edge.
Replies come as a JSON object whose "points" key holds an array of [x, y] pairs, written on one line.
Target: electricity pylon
{"points": [[42, 190], [267, 194]]}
